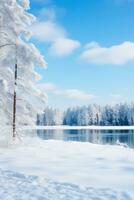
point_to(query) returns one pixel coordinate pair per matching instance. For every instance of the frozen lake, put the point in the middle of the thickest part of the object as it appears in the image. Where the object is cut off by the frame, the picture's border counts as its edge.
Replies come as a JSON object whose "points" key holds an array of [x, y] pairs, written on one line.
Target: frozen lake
{"points": [[112, 137]]}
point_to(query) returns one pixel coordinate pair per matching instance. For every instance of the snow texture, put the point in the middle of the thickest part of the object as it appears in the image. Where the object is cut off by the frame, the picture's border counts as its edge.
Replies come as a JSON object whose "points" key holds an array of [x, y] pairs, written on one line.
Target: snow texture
{"points": [[16, 186], [37, 169], [16, 49]]}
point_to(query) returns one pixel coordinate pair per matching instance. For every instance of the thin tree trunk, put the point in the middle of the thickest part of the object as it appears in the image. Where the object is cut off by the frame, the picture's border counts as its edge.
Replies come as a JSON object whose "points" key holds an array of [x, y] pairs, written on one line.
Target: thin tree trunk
{"points": [[14, 103]]}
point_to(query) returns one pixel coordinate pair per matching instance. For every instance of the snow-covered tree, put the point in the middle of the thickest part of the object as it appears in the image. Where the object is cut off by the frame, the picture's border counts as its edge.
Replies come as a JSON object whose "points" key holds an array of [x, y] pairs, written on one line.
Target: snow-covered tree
{"points": [[20, 96], [120, 114], [50, 117]]}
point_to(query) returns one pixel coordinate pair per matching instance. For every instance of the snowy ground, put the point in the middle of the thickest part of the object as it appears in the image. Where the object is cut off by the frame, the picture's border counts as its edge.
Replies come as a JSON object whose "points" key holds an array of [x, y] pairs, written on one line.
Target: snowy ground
{"points": [[56, 170], [18, 186], [82, 127]]}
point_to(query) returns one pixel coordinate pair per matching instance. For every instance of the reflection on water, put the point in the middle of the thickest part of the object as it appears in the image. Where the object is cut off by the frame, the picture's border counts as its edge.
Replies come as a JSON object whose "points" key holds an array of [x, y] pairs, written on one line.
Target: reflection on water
{"points": [[94, 136]]}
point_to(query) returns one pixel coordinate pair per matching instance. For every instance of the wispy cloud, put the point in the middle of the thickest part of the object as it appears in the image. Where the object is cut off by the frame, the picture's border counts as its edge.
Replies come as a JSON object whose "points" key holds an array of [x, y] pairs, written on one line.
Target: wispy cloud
{"points": [[47, 13], [73, 94], [48, 87], [63, 46], [50, 31], [116, 54]]}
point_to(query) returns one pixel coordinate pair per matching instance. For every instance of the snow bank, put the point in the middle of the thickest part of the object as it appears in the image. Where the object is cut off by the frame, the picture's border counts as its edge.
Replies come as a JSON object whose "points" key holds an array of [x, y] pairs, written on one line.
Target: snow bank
{"points": [[89, 166], [16, 186]]}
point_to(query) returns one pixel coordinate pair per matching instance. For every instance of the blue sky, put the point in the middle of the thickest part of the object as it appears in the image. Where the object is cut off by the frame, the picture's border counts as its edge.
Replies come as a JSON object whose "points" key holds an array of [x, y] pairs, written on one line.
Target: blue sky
{"points": [[89, 48]]}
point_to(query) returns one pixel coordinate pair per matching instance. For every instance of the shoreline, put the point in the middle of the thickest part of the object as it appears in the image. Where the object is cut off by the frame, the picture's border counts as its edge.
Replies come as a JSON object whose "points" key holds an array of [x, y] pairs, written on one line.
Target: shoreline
{"points": [[81, 127]]}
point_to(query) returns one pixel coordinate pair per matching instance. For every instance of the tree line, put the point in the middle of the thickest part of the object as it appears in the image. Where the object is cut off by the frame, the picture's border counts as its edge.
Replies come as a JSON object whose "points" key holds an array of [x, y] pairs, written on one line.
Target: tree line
{"points": [[109, 115]]}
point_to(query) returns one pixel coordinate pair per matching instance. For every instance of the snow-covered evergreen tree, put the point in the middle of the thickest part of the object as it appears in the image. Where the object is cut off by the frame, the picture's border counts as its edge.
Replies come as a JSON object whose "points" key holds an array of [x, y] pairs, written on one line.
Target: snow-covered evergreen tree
{"points": [[116, 115], [50, 117], [17, 51]]}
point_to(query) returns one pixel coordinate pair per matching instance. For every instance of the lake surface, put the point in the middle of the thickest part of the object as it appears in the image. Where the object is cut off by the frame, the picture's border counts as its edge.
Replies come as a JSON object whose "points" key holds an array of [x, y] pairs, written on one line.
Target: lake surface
{"points": [[112, 137]]}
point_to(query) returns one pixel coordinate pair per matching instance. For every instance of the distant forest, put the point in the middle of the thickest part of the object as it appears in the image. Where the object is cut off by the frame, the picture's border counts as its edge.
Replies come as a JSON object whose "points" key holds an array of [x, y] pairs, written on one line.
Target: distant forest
{"points": [[109, 115]]}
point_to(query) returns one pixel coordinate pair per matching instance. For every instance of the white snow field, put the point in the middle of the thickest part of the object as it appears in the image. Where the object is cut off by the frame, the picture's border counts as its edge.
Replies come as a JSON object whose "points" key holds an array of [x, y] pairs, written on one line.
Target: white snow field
{"points": [[55, 170]]}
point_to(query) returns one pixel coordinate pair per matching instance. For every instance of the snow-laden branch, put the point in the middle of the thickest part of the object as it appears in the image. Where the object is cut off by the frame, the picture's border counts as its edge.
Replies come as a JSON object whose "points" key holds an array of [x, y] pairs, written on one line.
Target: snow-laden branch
{"points": [[16, 50]]}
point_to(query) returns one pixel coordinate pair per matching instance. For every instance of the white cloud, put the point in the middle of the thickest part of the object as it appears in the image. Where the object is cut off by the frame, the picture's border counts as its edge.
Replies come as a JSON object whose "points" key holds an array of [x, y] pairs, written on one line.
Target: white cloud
{"points": [[77, 95], [48, 87], [117, 54], [73, 94], [48, 14], [49, 31], [64, 46]]}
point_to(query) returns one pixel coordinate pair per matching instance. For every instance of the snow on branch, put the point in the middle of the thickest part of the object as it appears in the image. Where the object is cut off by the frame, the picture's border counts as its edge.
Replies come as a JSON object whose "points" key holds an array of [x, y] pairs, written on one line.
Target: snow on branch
{"points": [[15, 50]]}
